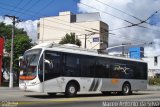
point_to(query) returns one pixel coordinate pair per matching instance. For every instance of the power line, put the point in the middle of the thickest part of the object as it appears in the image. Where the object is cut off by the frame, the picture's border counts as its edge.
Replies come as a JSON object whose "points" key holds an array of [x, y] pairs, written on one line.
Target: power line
{"points": [[12, 10], [32, 5], [152, 15], [64, 29], [83, 26], [27, 3], [16, 5], [69, 24], [122, 11], [132, 24], [107, 13], [113, 34], [43, 8], [32, 14], [90, 28]]}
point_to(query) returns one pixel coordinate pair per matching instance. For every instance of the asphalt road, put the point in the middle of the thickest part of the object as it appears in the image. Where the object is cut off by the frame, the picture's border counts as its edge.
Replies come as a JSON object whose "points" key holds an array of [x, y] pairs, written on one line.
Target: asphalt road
{"points": [[17, 98]]}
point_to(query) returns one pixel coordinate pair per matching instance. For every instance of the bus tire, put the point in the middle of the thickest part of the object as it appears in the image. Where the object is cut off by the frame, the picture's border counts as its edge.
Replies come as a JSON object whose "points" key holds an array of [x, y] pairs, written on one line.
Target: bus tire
{"points": [[51, 94], [126, 89], [71, 89]]}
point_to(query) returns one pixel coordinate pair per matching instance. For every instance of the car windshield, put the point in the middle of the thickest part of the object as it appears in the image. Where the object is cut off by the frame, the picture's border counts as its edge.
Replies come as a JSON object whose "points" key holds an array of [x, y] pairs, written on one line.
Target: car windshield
{"points": [[30, 62]]}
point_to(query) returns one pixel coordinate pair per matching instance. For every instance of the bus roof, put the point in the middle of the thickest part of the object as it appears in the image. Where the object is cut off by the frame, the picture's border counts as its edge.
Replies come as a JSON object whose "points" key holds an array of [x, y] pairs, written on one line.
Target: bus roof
{"points": [[82, 51]]}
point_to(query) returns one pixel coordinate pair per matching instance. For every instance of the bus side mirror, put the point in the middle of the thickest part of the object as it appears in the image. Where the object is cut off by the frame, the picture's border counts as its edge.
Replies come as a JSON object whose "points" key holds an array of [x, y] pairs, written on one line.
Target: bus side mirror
{"points": [[21, 61]]}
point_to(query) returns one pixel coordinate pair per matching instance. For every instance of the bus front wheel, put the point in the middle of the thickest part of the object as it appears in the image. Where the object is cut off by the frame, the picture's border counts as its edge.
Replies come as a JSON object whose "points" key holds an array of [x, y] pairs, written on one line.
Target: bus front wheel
{"points": [[126, 89], [71, 89]]}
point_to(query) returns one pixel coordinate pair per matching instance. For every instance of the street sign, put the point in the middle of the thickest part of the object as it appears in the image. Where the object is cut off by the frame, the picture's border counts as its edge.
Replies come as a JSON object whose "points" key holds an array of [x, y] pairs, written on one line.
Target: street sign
{"points": [[96, 39]]}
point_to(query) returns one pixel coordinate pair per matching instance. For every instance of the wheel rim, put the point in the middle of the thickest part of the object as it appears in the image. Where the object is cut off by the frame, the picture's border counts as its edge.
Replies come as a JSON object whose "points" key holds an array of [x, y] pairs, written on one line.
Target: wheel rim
{"points": [[126, 89], [72, 89]]}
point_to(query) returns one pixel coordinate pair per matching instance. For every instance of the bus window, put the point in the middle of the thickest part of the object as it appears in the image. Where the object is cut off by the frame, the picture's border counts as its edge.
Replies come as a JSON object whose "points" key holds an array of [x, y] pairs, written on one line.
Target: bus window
{"points": [[52, 64], [87, 66], [122, 71], [71, 65], [101, 68]]}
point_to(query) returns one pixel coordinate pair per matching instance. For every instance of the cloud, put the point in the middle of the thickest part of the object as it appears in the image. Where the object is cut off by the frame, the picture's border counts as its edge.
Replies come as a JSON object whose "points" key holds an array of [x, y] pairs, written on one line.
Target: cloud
{"points": [[141, 9], [29, 26]]}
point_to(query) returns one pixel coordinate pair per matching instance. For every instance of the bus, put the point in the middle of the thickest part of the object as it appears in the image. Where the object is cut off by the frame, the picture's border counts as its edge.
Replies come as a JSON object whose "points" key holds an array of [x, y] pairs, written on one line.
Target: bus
{"points": [[68, 70]]}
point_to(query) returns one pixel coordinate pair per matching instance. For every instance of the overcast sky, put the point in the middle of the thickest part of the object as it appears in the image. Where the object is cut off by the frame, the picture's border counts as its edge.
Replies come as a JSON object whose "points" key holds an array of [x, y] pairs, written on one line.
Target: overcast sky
{"points": [[116, 13]]}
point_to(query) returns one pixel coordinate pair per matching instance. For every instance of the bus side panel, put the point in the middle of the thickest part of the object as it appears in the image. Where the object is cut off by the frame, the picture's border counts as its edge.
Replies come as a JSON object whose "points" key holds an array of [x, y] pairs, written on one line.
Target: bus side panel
{"points": [[116, 84], [138, 84], [111, 84], [86, 84], [52, 85]]}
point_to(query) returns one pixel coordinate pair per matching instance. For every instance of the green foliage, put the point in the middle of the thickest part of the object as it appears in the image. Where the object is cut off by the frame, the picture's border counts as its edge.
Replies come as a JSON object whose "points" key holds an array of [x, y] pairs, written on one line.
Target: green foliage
{"points": [[6, 31], [70, 38], [21, 43], [154, 81]]}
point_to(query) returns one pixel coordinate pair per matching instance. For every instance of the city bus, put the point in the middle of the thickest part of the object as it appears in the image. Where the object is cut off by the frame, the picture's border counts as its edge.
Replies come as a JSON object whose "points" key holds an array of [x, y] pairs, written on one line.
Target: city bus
{"points": [[68, 70]]}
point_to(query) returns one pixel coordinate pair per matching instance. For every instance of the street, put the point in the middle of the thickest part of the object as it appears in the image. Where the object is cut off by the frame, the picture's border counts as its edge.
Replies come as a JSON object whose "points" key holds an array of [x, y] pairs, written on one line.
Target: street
{"points": [[17, 98]]}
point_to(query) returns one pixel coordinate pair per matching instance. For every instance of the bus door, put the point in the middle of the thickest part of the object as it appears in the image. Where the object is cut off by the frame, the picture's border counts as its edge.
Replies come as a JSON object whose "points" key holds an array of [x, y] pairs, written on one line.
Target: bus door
{"points": [[52, 69]]}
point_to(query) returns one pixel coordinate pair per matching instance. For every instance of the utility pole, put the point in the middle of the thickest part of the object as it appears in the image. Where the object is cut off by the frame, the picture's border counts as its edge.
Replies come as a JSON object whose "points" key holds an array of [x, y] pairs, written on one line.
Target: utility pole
{"points": [[123, 49], [92, 33], [14, 20], [85, 41]]}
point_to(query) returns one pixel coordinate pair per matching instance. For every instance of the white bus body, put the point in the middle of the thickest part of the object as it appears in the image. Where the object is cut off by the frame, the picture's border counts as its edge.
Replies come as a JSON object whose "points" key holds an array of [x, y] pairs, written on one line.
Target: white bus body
{"points": [[71, 70]]}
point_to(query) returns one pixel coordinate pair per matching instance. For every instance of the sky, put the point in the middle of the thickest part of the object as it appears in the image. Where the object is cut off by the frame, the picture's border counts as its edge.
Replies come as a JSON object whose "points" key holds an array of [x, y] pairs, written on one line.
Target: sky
{"points": [[116, 13]]}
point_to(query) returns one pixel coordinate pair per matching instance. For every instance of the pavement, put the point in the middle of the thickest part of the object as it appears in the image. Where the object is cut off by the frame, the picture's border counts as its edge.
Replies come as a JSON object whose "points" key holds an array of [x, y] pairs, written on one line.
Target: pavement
{"points": [[14, 96], [153, 88], [149, 88]]}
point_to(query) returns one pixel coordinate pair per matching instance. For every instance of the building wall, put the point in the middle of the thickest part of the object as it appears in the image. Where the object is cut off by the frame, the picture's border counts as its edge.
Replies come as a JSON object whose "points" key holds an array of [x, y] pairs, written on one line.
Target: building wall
{"points": [[153, 66], [136, 52], [55, 28]]}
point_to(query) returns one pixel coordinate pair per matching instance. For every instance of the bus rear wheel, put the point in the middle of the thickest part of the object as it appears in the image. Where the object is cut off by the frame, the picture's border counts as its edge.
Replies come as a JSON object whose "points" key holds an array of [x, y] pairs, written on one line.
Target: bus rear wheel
{"points": [[126, 89], [71, 89]]}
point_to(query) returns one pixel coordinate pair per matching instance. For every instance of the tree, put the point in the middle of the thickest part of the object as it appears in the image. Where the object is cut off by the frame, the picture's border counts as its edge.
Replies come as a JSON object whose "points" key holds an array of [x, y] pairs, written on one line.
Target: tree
{"points": [[21, 43], [6, 31], [70, 38]]}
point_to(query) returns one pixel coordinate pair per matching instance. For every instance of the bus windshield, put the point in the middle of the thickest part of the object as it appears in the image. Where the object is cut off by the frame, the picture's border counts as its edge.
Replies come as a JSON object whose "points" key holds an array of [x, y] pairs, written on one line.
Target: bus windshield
{"points": [[29, 64]]}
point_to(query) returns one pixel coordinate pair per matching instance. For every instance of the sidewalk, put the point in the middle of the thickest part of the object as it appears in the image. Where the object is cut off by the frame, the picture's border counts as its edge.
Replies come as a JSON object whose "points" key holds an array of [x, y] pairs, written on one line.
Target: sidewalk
{"points": [[7, 88], [153, 88]]}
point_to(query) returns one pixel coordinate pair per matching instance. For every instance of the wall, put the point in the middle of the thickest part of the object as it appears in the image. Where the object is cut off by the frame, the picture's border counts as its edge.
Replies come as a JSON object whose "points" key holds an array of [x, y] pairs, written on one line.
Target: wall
{"points": [[1, 57], [55, 28]]}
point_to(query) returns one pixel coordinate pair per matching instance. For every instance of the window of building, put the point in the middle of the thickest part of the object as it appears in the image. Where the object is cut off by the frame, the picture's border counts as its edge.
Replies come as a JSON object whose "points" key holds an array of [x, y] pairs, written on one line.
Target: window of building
{"points": [[38, 25], [155, 60], [37, 35]]}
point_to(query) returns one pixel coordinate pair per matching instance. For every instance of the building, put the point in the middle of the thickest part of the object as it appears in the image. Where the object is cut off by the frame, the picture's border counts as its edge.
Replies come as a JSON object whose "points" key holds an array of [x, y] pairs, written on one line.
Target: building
{"points": [[136, 52], [1, 57], [53, 29], [153, 65], [153, 62]]}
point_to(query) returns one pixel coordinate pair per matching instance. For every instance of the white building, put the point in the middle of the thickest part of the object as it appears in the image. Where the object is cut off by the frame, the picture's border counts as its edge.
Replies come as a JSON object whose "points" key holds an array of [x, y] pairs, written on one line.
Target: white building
{"points": [[153, 65], [56, 27]]}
